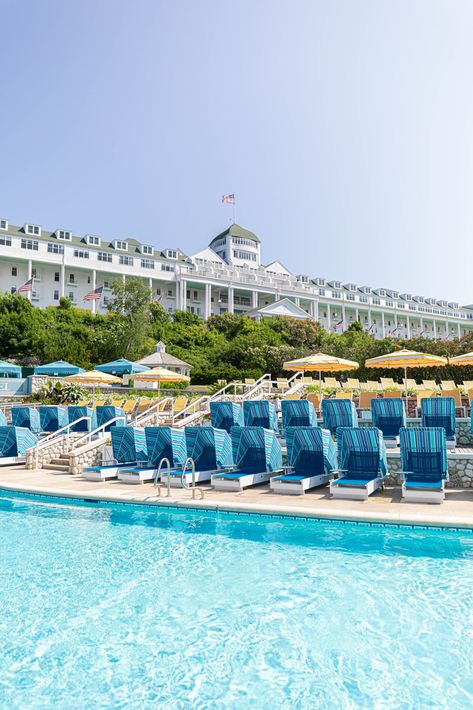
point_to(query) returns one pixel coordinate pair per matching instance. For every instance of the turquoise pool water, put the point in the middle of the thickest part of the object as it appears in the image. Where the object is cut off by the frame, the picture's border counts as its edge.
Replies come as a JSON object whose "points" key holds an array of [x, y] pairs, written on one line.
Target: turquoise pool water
{"points": [[126, 607]]}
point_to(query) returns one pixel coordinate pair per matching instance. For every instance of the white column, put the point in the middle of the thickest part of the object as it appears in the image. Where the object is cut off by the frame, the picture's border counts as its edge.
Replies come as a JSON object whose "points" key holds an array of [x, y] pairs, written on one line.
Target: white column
{"points": [[63, 280], [230, 299], [344, 322], [408, 327], [459, 331], [382, 325], [357, 314], [30, 274], [447, 329], [329, 320], [183, 298], [395, 325], [434, 325], [314, 310], [369, 320], [254, 299], [421, 324], [207, 307], [94, 286], [297, 301]]}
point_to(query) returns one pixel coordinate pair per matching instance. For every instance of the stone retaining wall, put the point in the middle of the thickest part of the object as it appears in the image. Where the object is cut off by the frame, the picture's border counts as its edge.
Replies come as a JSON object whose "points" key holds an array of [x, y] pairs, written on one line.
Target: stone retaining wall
{"points": [[460, 470], [89, 455]]}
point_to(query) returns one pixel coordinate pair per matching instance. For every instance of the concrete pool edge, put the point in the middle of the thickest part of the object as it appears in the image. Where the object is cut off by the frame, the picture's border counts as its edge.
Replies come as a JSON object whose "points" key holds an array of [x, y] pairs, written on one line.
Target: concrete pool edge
{"points": [[257, 509]]}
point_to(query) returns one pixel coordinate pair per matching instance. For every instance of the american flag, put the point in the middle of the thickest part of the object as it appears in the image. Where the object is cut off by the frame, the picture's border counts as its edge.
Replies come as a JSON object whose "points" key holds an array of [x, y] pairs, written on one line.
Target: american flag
{"points": [[94, 295], [335, 326], [228, 199], [27, 287]]}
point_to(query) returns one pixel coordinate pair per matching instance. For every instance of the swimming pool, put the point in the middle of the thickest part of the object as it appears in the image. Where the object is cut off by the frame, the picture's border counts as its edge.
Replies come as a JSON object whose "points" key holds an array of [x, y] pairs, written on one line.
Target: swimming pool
{"points": [[121, 606]]}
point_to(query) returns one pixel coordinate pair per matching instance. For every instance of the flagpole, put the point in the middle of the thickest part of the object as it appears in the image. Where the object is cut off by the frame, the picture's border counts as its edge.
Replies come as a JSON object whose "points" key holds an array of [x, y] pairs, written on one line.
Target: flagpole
{"points": [[234, 208]]}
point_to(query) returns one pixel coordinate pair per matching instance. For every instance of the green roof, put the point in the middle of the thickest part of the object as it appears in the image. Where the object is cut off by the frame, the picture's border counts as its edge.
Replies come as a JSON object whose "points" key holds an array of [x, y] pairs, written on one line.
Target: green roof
{"points": [[236, 231]]}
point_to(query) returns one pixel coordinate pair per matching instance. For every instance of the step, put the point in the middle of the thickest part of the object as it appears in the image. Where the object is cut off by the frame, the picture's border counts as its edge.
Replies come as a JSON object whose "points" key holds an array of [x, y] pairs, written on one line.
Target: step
{"points": [[63, 460], [56, 467]]}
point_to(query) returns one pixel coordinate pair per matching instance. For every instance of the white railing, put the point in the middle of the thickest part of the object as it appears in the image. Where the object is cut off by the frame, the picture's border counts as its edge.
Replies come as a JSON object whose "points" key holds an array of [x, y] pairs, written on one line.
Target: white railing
{"points": [[59, 433], [156, 408], [99, 430]]}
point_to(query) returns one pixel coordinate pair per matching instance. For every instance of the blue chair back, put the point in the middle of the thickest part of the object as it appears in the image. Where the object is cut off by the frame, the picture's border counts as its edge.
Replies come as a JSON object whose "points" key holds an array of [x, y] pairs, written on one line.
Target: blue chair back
{"points": [[224, 415], [256, 449], [389, 415], [26, 417], [210, 448], [75, 412], [424, 453], [260, 412], [338, 413], [298, 412], [52, 417], [129, 444], [15, 441], [361, 452], [3, 419], [166, 442], [311, 451], [106, 412], [439, 412]]}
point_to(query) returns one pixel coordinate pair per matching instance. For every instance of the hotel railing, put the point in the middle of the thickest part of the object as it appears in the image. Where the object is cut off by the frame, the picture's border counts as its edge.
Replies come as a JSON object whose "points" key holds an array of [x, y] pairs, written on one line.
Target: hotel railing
{"points": [[64, 430]]}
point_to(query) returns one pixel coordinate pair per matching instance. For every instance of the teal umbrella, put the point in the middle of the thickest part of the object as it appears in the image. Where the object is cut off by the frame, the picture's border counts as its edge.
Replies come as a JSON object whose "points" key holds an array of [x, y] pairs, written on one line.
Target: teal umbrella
{"points": [[60, 368], [122, 366], [9, 370]]}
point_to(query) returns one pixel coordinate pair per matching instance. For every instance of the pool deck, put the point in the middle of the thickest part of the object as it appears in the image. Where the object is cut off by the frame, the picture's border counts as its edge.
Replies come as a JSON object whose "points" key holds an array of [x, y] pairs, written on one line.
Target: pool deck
{"points": [[383, 506]]}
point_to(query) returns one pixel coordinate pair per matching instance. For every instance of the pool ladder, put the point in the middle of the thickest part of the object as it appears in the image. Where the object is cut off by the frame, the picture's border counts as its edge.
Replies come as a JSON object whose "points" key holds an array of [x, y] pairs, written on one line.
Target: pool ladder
{"points": [[184, 484]]}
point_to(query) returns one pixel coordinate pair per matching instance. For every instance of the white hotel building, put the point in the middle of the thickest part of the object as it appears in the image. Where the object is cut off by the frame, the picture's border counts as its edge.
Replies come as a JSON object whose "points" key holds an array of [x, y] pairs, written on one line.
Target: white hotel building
{"points": [[226, 276]]}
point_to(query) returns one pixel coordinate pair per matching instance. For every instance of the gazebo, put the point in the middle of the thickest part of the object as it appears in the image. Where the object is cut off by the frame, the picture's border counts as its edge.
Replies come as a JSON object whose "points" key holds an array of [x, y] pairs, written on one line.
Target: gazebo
{"points": [[161, 358], [60, 368], [120, 367]]}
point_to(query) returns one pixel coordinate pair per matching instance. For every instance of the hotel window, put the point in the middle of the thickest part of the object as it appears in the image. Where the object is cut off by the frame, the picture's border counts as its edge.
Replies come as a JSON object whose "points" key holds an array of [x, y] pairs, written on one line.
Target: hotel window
{"points": [[390, 304], [106, 284], [104, 256], [13, 289], [167, 267], [14, 271], [170, 293], [33, 273], [171, 253], [376, 301], [158, 292], [71, 295], [147, 264], [5, 240], [81, 254], [321, 292], [56, 295], [72, 279], [3, 224], [30, 244], [244, 255], [243, 242], [412, 307], [123, 246], [350, 297], [33, 229], [125, 260], [56, 248], [147, 250], [91, 239], [56, 275], [336, 294], [65, 236], [363, 299]]}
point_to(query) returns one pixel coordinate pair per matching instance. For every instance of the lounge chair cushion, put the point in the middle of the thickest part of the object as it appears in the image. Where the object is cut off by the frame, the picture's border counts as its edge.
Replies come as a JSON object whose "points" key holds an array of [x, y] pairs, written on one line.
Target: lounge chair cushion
{"points": [[239, 474], [424, 484], [359, 483], [291, 478]]}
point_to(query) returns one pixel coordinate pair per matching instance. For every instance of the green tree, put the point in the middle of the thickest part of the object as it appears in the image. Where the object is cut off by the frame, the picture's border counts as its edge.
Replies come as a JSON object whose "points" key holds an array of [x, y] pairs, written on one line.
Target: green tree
{"points": [[131, 305]]}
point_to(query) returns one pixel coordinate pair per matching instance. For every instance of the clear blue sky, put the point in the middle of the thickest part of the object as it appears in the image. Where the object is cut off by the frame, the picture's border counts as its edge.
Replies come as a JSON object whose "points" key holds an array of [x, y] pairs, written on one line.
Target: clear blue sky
{"points": [[345, 128]]}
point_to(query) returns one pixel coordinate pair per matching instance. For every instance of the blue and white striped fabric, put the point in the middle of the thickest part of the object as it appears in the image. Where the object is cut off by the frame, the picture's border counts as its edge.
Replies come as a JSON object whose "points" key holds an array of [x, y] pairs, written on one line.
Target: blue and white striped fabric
{"points": [[107, 412], [129, 444], [26, 417], [3, 419], [166, 442], [439, 412], [361, 453], [338, 413], [388, 414], [210, 448], [52, 417], [75, 412], [424, 453], [298, 412], [260, 412], [224, 415], [256, 449], [15, 441], [311, 451]]}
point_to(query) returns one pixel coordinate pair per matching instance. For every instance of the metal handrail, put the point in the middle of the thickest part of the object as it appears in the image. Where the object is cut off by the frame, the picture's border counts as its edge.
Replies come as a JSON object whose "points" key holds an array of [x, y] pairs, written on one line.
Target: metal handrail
{"points": [[138, 420], [55, 434], [90, 434], [190, 460], [158, 474]]}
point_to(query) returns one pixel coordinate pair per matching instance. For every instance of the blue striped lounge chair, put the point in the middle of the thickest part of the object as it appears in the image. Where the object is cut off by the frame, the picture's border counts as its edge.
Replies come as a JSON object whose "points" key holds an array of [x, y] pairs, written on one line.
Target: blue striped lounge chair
{"points": [[26, 417], [162, 442], [107, 412], [75, 412], [211, 451], [52, 417], [3, 419], [224, 415], [424, 467], [362, 463], [311, 458], [440, 412], [260, 412], [128, 449], [338, 413], [14, 443], [298, 412], [389, 415], [256, 457]]}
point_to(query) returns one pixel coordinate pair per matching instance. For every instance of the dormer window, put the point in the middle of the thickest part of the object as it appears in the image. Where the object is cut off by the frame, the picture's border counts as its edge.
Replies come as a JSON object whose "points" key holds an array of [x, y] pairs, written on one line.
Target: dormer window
{"points": [[171, 253], [62, 234], [94, 240], [146, 250], [303, 278], [319, 281], [350, 287], [33, 229], [123, 246], [3, 224]]}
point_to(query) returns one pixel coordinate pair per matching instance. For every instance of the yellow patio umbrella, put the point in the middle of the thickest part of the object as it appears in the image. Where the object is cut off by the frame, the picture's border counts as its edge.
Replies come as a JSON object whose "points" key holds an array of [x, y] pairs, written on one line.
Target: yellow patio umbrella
{"points": [[93, 377], [320, 362], [406, 359], [160, 374], [465, 359]]}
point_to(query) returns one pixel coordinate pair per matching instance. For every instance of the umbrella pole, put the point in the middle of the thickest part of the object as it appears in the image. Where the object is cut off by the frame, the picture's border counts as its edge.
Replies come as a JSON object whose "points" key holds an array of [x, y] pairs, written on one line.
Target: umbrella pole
{"points": [[405, 382], [320, 384]]}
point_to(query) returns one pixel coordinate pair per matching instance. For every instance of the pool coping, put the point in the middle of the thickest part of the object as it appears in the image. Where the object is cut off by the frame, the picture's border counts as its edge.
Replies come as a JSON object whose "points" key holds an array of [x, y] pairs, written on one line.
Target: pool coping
{"points": [[257, 509]]}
